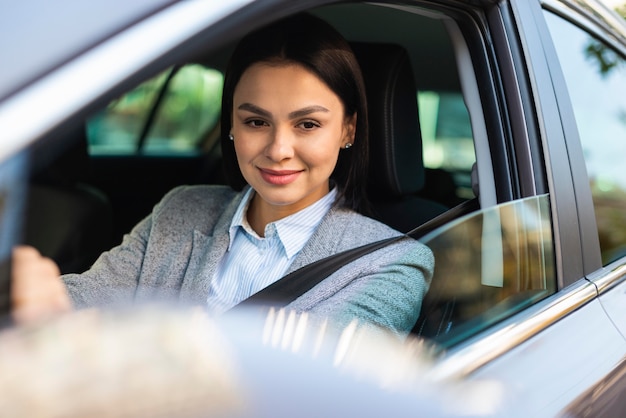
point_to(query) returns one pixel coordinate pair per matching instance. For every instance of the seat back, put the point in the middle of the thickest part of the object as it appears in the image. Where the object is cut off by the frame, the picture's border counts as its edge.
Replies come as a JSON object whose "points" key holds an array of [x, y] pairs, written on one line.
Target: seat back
{"points": [[396, 173]]}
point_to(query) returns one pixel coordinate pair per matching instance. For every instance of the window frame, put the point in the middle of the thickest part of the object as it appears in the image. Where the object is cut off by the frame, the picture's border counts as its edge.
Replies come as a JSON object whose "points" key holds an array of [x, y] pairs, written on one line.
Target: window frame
{"points": [[523, 60], [553, 134]]}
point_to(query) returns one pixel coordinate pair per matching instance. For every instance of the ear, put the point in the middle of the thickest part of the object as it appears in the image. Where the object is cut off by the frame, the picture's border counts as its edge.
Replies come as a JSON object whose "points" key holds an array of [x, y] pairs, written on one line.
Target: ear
{"points": [[349, 130]]}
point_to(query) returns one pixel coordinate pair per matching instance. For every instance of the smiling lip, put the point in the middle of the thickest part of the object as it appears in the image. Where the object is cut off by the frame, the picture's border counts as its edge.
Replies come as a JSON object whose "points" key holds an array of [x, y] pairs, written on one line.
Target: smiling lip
{"points": [[279, 177]]}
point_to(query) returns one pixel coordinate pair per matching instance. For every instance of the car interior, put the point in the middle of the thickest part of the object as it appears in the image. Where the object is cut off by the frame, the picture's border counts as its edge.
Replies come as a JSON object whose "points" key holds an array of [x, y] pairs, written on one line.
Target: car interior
{"points": [[117, 164]]}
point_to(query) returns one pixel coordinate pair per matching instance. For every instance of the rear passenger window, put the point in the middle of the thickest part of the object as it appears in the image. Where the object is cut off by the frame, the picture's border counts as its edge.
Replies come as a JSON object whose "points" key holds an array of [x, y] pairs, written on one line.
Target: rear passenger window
{"points": [[595, 75], [170, 114], [447, 138]]}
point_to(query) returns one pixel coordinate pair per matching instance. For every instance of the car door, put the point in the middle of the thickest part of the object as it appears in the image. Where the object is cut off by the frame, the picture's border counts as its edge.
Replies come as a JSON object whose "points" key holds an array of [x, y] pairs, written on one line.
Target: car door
{"points": [[542, 344], [569, 347]]}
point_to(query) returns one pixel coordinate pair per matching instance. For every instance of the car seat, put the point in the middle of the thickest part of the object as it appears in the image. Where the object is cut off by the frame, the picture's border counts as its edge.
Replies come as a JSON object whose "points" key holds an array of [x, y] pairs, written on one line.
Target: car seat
{"points": [[396, 173], [67, 219]]}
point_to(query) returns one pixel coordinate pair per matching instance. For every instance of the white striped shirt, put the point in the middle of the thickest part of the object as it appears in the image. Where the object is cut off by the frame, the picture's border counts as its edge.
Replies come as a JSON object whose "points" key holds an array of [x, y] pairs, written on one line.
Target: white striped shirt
{"points": [[251, 262]]}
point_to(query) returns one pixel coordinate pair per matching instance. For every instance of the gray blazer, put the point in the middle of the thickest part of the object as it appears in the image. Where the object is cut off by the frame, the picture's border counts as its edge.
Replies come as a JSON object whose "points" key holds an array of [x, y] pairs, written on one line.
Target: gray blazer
{"points": [[174, 252]]}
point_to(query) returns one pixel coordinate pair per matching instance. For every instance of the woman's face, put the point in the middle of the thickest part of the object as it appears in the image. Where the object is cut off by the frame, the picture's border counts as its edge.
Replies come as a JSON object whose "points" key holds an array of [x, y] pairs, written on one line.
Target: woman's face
{"points": [[289, 128]]}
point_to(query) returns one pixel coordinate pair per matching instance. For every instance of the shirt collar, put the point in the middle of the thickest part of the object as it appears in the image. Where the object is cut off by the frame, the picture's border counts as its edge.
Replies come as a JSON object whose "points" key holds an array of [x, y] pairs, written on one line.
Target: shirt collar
{"points": [[293, 231]]}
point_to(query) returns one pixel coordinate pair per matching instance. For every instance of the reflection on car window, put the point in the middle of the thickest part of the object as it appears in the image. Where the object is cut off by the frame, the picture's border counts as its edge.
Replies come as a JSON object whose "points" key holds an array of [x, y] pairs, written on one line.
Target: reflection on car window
{"points": [[596, 75], [488, 266], [169, 114]]}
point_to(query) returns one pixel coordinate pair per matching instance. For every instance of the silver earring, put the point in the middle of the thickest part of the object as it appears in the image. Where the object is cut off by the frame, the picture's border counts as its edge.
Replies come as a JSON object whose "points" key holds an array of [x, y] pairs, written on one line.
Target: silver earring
{"points": [[348, 145], [231, 137]]}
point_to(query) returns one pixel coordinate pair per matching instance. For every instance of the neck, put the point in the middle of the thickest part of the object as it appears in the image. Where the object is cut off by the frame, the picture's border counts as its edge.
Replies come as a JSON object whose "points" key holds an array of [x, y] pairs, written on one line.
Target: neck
{"points": [[260, 214]]}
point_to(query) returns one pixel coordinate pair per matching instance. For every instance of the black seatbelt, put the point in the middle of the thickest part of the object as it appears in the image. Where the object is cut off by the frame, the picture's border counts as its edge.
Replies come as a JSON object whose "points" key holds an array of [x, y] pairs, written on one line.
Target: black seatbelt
{"points": [[298, 282]]}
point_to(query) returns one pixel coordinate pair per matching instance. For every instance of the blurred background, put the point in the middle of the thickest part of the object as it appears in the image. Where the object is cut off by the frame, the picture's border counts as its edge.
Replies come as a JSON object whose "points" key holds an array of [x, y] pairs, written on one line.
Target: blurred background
{"points": [[618, 5]]}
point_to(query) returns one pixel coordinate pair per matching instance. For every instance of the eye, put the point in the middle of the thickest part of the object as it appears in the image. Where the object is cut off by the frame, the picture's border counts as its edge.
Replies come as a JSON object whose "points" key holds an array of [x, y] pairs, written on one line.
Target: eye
{"points": [[256, 123], [309, 125]]}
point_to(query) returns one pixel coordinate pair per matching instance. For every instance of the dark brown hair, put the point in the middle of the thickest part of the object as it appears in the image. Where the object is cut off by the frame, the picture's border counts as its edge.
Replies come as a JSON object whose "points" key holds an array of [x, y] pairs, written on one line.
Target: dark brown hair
{"points": [[314, 44]]}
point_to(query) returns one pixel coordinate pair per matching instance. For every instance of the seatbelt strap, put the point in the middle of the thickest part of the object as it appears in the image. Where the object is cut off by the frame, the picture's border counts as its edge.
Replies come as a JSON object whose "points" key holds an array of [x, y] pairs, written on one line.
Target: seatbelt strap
{"points": [[298, 282], [290, 287]]}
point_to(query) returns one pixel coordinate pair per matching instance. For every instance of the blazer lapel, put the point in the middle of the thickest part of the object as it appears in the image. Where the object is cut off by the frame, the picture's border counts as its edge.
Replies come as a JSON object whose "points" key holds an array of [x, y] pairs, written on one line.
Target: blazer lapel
{"points": [[206, 253]]}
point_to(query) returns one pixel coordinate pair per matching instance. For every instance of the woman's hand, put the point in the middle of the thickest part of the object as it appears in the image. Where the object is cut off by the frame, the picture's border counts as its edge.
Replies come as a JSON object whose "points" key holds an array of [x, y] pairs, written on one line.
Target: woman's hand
{"points": [[37, 291]]}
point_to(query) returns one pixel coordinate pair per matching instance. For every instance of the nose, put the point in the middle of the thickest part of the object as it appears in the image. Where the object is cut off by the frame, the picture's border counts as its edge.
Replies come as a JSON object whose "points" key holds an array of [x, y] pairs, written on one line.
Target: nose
{"points": [[280, 145]]}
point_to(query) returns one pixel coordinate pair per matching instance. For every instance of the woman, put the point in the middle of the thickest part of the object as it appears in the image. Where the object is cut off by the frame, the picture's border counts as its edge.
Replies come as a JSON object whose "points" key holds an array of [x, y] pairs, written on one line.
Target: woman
{"points": [[294, 141]]}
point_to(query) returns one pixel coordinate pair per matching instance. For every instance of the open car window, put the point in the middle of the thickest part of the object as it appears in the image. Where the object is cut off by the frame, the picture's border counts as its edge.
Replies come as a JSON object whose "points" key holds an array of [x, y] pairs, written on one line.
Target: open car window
{"points": [[488, 265]]}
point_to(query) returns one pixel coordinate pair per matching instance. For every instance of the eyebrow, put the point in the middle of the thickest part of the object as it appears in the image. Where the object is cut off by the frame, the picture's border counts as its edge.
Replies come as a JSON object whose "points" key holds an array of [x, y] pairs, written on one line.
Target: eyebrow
{"points": [[255, 109], [307, 111], [293, 115]]}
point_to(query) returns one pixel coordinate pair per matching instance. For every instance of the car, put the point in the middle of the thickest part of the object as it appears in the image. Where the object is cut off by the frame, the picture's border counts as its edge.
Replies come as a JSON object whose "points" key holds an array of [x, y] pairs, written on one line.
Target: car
{"points": [[502, 124]]}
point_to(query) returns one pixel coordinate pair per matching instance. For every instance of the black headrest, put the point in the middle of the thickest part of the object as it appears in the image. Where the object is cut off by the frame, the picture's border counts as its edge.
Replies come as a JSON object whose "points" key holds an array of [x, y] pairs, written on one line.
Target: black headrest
{"points": [[70, 166], [396, 165]]}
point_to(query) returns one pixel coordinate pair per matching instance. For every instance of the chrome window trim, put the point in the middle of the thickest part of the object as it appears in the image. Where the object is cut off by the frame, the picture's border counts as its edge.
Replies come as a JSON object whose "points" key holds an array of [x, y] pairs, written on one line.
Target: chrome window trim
{"points": [[486, 347], [41, 106], [609, 277], [609, 28]]}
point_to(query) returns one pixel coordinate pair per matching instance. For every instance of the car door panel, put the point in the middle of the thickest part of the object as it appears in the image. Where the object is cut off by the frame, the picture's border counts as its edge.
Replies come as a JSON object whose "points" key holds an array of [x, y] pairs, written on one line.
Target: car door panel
{"points": [[565, 347], [613, 298]]}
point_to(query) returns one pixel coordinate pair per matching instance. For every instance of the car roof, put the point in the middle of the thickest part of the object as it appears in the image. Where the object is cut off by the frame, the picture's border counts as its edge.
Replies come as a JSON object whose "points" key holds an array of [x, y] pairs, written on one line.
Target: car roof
{"points": [[37, 37]]}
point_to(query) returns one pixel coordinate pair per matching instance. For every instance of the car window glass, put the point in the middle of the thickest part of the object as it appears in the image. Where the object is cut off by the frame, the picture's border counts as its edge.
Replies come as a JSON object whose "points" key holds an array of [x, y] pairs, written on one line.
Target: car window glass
{"points": [[596, 75], [489, 265], [169, 114], [116, 129]]}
